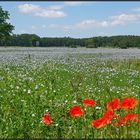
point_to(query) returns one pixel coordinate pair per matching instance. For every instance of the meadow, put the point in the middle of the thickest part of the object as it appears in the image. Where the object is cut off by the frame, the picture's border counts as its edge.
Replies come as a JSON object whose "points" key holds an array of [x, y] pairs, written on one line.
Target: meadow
{"points": [[39, 81]]}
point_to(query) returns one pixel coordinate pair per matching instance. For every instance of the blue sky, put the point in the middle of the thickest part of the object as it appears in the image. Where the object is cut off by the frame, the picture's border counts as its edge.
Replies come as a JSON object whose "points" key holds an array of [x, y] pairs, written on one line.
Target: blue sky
{"points": [[74, 19]]}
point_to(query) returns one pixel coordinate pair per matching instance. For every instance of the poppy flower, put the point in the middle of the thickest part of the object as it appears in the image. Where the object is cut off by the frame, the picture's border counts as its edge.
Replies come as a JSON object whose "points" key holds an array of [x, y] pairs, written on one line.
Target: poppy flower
{"points": [[46, 119], [120, 122], [99, 123], [76, 112], [135, 117], [116, 124], [114, 105], [89, 102], [128, 103], [129, 117], [108, 116]]}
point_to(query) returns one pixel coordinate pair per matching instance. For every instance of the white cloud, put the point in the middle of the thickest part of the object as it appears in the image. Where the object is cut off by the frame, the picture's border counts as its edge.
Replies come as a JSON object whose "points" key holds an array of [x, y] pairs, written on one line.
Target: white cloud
{"points": [[37, 10], [74, 3], [92, 24], [137, 9], [123, 19], [43, 26], [112, 21], [52, 11], [50, 14], [56, 7], [29, 8], [33, 27], [53, 26], [118, 20], [62, 27]]}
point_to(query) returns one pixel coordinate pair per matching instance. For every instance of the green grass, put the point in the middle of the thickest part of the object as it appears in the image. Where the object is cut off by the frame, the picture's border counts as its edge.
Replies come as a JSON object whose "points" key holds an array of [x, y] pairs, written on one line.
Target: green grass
{"points": [[27, 92]]}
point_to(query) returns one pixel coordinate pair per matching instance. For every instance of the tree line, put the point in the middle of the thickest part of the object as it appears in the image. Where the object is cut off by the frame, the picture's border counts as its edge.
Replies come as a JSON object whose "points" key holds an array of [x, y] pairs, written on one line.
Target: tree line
{"points": [[29, 40]]}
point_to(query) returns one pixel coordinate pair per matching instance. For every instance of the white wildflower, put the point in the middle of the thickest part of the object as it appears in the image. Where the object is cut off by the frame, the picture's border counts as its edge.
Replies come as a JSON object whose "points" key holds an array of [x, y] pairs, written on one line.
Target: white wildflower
{"points": [[97, 108], [33, 115], [29, 91], [74, 101]]}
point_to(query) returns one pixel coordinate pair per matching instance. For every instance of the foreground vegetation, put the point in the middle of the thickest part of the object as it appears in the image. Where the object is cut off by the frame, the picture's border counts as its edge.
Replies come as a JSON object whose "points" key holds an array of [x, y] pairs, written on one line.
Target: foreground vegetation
{"points": [[30, 90]]}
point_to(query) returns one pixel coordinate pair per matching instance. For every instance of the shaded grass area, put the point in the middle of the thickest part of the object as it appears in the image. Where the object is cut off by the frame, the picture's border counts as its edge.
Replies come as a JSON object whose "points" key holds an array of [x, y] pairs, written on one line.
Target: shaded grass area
{"points": [[28, 91]]}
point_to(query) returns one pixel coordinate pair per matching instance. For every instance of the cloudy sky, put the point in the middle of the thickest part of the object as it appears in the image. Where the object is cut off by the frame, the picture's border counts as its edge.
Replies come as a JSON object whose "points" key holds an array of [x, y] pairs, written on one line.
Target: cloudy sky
{"points": [[74, 19]]}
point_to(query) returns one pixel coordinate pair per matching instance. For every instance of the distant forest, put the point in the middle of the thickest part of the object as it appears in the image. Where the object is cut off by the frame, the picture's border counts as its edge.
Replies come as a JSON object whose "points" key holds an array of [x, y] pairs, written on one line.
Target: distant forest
{"points": [[30, 40], [7, 38]]}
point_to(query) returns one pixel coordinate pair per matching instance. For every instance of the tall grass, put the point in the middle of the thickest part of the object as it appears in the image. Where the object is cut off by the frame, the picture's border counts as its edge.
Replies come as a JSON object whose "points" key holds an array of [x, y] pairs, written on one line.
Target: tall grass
{"points": [[28, 91]]}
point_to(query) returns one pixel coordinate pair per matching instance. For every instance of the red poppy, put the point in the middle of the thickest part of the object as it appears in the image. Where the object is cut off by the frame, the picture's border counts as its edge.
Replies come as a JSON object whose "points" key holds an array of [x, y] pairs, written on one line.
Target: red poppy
{"points": [[116, 124], [114, 105], [129, 117], [108, 116], [128, 103], [89, 102], [47, 119], [120, 122], [135, 117], [123, 121], [76, 112], [99, 123]]}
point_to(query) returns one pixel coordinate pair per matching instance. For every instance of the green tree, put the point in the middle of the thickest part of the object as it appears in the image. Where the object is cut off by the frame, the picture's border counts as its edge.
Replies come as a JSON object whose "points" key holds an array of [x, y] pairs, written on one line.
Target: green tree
{"points": [[5, 27]]}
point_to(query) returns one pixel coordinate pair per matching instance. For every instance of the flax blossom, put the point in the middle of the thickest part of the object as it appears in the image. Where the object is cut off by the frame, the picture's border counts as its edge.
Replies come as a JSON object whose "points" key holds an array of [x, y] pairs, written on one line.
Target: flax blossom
{"points": [[89, 102], [76, 111], [46, 119], [114, 105], [128, 103]]}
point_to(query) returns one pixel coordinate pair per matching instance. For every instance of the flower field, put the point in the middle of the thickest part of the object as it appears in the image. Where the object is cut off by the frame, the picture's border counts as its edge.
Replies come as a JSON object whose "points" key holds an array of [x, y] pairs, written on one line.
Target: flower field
{"points": [[69, 94]]}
